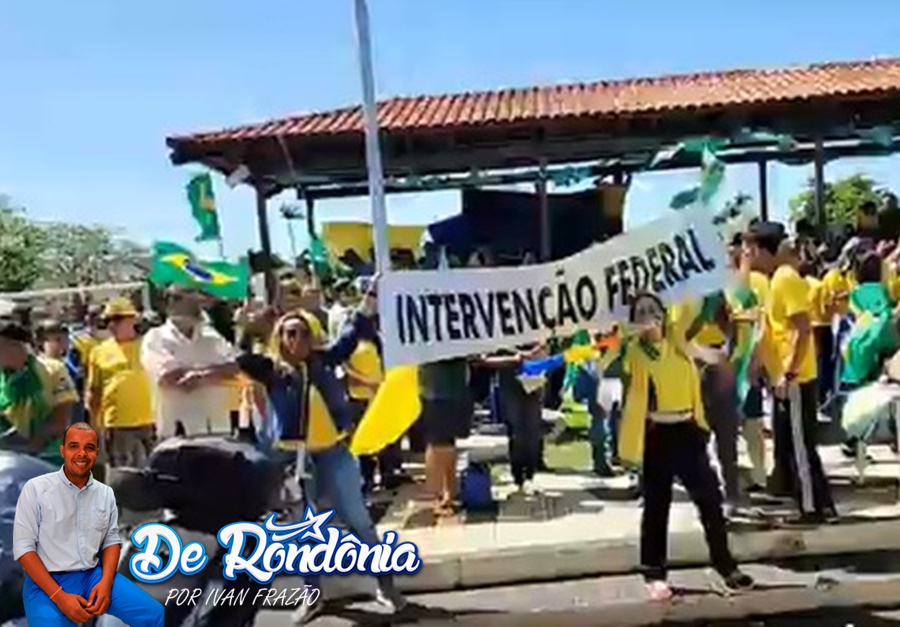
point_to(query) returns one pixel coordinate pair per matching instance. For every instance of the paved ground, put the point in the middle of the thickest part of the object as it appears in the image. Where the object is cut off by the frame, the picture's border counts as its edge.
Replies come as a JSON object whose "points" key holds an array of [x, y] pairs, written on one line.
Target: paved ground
{"points": [[580, 525], [797, 594]]}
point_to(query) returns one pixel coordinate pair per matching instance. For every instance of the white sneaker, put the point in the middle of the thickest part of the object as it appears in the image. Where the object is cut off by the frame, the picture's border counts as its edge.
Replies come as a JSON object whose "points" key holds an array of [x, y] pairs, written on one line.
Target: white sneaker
{"points": [[305, 614], [392, 601]]}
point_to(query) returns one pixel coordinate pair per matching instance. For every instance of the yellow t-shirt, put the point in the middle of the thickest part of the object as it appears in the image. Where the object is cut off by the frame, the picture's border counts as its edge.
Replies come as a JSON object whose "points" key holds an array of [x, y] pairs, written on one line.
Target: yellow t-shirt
{"points": [[759, 285], [670, 366], [119, 386], [788, 297], [84, 344], [58, 390], [682, 316], [322, 433], [835, 290], [891, 280], [365, 362], [819, 310]]}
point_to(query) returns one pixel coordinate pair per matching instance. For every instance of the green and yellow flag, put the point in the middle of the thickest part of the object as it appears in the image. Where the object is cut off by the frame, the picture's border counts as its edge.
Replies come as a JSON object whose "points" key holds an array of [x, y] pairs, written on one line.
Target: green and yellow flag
{"points": [[872, 336], [203, 207], [174, 265]]}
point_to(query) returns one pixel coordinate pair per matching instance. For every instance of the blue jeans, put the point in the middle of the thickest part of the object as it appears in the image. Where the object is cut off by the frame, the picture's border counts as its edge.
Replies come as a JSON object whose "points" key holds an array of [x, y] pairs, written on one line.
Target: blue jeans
{"points": [[128, 602], [602, 432], [336, 482]]}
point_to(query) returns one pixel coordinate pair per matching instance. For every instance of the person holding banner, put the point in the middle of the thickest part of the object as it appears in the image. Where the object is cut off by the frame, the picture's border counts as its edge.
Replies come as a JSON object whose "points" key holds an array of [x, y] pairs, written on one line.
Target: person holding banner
{"points": [[307, 403], [788, 354], [521, 406], [364, 373], [665, 433]]}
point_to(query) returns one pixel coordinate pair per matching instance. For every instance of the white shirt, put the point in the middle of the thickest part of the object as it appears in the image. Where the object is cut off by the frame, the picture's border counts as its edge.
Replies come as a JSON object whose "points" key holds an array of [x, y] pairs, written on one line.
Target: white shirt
{"points": [[337, 316], [202, 410]]}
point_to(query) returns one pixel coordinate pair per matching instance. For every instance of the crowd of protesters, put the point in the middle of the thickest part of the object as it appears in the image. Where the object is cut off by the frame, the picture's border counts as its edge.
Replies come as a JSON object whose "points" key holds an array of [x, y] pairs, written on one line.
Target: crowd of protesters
{"points": [[297, 376]]}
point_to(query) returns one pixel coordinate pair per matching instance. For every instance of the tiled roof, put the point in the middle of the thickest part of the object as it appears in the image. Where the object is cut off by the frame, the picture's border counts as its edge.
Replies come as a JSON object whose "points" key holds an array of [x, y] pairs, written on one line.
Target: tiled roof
{"points": [[673, 93]]}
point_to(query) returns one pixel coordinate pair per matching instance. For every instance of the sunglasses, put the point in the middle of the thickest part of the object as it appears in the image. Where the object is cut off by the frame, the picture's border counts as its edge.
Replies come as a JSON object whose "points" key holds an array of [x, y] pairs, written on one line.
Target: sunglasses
{"points": [[295, 333]]}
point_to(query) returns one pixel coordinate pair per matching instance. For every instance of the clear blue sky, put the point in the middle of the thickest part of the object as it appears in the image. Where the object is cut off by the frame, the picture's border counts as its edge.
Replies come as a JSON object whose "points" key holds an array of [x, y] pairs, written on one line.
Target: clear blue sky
{"points": [[91, 88]]}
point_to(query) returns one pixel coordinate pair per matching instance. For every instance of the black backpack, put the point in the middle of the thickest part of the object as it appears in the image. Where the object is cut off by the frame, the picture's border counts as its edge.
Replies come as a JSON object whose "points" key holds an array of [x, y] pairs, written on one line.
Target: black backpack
{"points": [[215, 475]]}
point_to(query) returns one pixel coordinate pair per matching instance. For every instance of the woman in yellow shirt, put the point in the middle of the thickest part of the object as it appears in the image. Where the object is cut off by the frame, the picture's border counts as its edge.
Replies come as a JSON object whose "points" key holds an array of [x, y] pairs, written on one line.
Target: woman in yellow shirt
{"points": [[307, 403], [664, 431]]}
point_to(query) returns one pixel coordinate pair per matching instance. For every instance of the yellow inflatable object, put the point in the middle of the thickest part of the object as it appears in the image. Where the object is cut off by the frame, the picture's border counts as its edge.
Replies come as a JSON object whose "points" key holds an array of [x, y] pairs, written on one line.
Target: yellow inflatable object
{"points": [[395, 408]]}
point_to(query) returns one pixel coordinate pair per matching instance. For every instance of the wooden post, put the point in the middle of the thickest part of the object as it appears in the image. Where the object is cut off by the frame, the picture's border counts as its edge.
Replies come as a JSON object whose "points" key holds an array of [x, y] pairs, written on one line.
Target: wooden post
{"points": [[311, 216], [265, 243], [541, 189], [819, 177], [763, 190]]}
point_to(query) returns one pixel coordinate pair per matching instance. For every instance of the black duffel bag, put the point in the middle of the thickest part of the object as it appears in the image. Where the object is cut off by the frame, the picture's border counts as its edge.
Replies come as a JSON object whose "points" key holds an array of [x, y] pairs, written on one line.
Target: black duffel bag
{"points": [[215, 475], [15, 471]]}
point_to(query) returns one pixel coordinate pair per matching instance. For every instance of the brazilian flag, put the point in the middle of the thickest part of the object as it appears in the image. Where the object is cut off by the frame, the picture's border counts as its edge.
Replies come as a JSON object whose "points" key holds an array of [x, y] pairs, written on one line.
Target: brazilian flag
{"points": [[175, 265], [203, 207], [872, 336]]}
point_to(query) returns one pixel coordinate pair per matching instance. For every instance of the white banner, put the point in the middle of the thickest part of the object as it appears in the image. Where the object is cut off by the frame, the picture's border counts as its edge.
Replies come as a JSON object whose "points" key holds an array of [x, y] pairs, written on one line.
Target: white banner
{"points": [[428, 316]]}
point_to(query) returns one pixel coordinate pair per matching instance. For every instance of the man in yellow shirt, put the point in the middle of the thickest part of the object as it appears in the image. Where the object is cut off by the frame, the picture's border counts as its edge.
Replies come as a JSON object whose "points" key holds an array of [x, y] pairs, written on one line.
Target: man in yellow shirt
{"points": [[118, 389], [788, 355], [707, 323]]}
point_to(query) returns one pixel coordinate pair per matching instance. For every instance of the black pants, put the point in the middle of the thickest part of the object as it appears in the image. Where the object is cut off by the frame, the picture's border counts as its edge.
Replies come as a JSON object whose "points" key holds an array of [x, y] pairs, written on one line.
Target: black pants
{"points": [[679, 450], [720, 405], [798, 467], [826, 361], [523, 415]]}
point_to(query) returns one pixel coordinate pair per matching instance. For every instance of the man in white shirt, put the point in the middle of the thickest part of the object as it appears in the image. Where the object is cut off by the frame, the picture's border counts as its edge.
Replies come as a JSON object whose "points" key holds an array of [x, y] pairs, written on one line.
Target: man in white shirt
{"points": [[189, 365], [342, 309]]}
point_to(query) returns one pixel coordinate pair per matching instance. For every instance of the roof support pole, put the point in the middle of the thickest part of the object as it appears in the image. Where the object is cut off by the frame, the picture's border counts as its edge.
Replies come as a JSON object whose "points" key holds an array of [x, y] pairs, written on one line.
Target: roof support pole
{"points": [[541, 189], [819, 178], [311, 216], [265, 243], [763, 189]]}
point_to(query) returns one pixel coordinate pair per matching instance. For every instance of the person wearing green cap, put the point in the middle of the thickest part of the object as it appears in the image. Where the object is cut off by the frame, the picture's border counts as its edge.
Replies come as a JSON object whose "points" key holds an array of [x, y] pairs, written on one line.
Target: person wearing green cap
{"points": [[36, 396]]}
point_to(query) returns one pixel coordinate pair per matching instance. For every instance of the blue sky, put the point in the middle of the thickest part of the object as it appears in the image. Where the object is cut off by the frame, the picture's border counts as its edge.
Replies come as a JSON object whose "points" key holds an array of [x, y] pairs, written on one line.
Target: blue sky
{"points": [[91, 88]]}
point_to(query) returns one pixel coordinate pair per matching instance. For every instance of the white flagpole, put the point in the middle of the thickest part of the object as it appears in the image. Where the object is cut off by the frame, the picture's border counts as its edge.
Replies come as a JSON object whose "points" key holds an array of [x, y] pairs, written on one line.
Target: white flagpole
{"points": [[373, 149]]}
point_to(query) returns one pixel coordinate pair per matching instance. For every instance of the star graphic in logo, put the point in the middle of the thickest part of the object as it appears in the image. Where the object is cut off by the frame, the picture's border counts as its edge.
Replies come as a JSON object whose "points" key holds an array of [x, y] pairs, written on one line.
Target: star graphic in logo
{"points": [[308, 528]]}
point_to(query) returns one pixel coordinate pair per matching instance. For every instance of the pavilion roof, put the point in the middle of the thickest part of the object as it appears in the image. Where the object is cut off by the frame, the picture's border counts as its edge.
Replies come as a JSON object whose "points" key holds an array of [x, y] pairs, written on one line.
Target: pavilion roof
{"points": [[562, 123]]}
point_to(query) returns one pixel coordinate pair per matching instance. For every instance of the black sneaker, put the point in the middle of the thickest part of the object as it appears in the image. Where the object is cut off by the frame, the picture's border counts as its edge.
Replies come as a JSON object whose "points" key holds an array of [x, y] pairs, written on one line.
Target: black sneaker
{"points": [[805, 520], [739, 581]]}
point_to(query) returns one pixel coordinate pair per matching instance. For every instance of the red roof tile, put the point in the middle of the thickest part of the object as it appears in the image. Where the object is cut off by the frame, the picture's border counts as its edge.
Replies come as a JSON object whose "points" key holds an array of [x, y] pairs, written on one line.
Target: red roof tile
{"points": [[606, 98]]}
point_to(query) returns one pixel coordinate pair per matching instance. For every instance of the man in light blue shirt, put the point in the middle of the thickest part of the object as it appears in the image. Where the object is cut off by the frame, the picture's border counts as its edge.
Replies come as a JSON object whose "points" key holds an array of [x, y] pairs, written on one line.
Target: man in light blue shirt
{"points": [[66, 537]]}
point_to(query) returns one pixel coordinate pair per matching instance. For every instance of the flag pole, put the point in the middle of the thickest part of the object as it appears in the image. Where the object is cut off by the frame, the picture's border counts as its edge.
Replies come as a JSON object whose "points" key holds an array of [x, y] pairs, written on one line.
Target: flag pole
{"points": [[373, 150], [221, 243]]}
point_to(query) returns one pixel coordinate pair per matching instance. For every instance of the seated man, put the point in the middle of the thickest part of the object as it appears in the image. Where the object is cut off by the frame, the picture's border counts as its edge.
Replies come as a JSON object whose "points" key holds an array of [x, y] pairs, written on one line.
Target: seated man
{"points": [[36, 396], [66, 537]]}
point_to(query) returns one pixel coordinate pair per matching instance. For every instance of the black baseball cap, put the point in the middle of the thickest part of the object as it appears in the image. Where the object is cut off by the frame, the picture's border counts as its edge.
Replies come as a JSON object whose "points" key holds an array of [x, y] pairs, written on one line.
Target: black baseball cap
{"points": [[14, 331]]}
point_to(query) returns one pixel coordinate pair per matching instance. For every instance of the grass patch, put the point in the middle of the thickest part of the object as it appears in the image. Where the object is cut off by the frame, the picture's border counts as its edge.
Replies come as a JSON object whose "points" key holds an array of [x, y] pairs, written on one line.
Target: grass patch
{"points": [[571, 455]]}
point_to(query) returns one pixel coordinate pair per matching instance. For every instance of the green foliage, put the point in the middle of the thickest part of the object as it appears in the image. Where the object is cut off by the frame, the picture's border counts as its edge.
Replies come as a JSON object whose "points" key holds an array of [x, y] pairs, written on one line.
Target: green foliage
{"points": [[842, 198], [54, 254], [21, 242]]}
